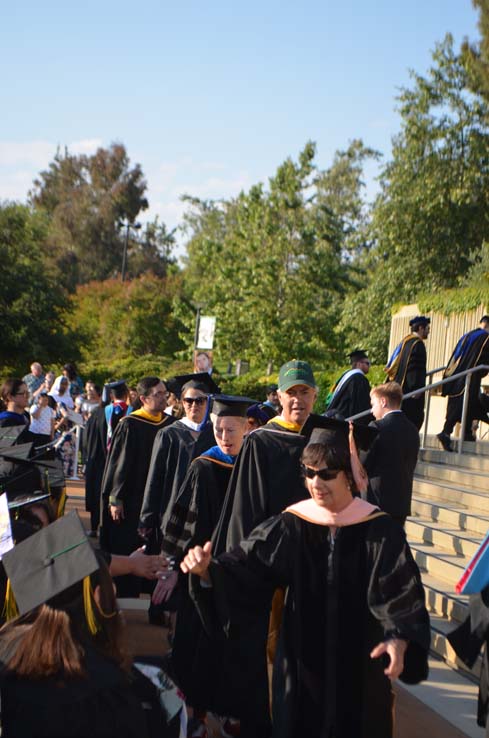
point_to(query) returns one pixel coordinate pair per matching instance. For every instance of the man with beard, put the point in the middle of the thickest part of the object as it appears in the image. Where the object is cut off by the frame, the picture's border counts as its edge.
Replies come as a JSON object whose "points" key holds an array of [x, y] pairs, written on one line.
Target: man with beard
{"points": [[125, 474]]}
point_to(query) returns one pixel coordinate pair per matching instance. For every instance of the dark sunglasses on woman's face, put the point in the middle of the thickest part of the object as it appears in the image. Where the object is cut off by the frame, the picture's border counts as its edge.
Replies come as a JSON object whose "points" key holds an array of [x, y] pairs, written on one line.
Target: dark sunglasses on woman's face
{"points": [[197, 400], [325, 474]]}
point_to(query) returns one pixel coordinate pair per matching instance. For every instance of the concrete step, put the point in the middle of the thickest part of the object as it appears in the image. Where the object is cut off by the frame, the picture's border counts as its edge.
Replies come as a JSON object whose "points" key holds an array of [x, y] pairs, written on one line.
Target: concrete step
{"points": [[442, 600], [453, 475], [478, 463], [450, 493], [440, 628], [450, 694], [444, 537], [453, 514], [442, 565], [479, 448]]}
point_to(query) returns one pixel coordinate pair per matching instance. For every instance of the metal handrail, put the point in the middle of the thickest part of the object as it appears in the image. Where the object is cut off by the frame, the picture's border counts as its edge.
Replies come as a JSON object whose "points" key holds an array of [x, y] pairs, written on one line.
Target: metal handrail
{"points": [[422, 390], [435, 371]]}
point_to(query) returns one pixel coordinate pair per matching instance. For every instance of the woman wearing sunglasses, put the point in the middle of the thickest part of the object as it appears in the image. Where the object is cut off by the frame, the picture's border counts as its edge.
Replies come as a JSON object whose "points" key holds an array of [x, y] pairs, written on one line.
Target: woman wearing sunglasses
{"points": [[354, 617]]}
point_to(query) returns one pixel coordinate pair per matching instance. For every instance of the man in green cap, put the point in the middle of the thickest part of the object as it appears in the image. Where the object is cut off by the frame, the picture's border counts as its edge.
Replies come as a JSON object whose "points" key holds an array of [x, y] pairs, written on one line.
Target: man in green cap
{"points": [[265, 480], [266, 477]]}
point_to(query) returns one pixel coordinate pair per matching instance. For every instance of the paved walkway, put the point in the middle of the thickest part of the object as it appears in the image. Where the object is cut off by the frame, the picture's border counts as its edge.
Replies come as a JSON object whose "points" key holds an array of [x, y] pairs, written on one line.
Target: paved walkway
{"points": [[414, 718]]}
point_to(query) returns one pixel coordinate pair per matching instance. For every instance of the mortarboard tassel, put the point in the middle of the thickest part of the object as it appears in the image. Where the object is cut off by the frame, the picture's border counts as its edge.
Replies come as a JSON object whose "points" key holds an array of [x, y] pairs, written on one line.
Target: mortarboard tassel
{"points": [[93, 625], [10, 609], [61, 504]]}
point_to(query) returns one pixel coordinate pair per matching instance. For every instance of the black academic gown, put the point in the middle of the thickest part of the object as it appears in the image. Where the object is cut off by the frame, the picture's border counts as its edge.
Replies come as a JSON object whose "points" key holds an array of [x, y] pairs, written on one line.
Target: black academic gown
{"points": [[265, 480], [123, 482], [196, 659], [173, 450], [341, 601], [411, 375], [94, 454], [353, 398], [390, 463], [472, 350], [467, 640], [108, 703]]}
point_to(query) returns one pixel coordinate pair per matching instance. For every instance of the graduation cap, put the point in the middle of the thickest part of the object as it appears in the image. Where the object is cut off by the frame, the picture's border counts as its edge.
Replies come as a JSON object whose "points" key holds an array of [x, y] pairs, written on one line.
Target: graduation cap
{"points": [[231, 405], [320, 429], [419, 320], [357, 355], [110, 386], [9, 435], [49, 562], [201, 381], [263, 413], [28, 499], [29, 475]]}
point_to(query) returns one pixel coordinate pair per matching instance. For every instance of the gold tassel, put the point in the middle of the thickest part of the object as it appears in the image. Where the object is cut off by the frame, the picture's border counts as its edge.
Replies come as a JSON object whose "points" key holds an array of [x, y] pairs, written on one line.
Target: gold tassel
{"points": [[61, 504], [10, 609], [93, 625]]}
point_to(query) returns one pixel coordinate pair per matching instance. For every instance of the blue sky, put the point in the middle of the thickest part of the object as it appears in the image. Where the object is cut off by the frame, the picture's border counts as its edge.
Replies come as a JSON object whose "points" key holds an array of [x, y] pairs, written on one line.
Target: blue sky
{"points": [[208, 97]]}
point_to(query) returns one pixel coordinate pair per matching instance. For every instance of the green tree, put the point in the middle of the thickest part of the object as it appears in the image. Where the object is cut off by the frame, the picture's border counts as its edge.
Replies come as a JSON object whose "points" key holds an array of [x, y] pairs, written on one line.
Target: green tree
{"points": [[152, 251], [116, 320], [86, 198], [33, 306], [341, 190], [268, 265], [431, 216]]}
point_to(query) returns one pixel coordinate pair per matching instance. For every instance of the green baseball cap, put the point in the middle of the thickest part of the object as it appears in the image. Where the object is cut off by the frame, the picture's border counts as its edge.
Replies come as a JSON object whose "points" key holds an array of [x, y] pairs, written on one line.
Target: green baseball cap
{"points": [[293, 373]]}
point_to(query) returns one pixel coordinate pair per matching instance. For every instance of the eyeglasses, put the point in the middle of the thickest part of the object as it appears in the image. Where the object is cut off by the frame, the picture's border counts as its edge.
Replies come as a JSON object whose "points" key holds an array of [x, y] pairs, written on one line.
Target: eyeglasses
{"points": [[159, 394], [24, 394], [325, 474], [198, 400]]}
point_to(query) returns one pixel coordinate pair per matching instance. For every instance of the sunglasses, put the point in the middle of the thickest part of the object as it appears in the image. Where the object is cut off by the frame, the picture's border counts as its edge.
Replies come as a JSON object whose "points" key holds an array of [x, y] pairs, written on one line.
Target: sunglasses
{"points": [[325, 474], [197, 400]]}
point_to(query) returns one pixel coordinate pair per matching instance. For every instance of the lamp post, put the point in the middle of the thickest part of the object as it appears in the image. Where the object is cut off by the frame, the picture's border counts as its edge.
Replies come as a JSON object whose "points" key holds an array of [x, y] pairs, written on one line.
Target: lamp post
{"points": [[127, 225]]}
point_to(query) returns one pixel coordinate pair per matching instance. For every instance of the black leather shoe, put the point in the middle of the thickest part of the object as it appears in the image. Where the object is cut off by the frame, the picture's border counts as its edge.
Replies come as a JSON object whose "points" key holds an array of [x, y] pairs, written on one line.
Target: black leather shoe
{"points": [[445, 441]]}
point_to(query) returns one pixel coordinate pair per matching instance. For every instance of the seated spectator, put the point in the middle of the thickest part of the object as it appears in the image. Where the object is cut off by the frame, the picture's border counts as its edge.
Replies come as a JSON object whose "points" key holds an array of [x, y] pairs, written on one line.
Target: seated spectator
{"points": [[42, 420]]}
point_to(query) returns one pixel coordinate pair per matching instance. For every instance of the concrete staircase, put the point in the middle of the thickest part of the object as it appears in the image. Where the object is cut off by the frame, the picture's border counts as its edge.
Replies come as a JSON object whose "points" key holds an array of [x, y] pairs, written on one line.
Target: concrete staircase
{"points": [[450, 517]]}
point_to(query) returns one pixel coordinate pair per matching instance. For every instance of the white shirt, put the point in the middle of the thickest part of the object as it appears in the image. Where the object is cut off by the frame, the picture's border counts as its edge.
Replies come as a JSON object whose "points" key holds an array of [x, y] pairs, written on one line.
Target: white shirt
{"points": [[41, 424]]}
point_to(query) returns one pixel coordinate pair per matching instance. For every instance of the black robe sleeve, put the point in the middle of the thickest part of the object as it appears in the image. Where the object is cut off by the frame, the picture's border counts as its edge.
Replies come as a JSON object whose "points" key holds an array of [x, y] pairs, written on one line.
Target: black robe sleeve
{"points": [[396, 595], [244, 579], [416, 370], [265, 480], [155, 481], [119, 467]]}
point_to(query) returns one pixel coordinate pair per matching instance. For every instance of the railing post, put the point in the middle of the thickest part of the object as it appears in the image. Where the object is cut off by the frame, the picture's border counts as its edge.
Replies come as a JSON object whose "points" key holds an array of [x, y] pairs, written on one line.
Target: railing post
{"points": [[426, 418], [465, 410]]}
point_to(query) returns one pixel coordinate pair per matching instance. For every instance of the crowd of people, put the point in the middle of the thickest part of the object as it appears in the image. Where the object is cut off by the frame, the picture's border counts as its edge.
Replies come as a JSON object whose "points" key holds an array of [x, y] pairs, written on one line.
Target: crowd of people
{"points": [[269, 537]]}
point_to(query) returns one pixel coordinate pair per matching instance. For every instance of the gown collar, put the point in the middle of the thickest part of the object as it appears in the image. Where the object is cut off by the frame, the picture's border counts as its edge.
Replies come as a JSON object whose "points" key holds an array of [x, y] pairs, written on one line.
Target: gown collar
{"points": [[357, 512]]}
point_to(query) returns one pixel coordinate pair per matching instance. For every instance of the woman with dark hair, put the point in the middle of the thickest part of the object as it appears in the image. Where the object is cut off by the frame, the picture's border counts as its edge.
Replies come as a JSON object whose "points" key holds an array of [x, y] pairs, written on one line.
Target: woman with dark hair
{"points": [[14, 398], [65, 671], [354, 615], [76, 382]]}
